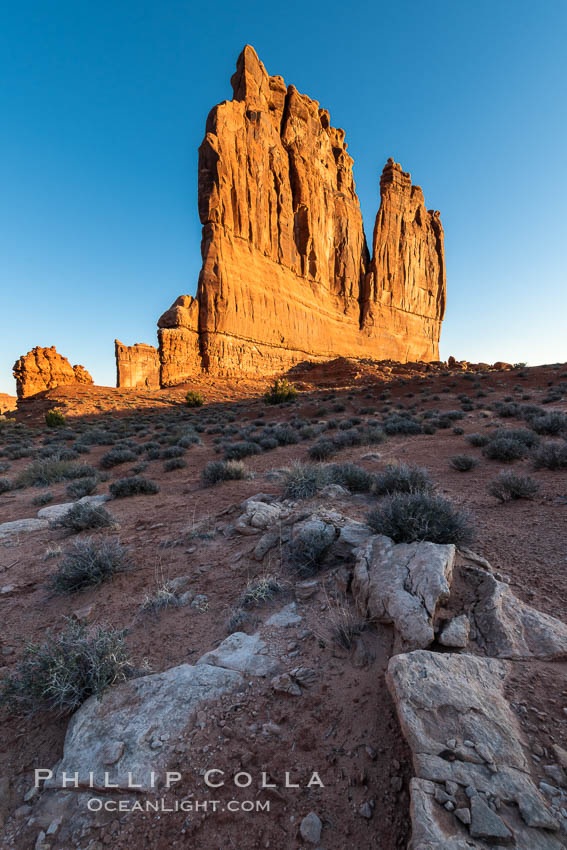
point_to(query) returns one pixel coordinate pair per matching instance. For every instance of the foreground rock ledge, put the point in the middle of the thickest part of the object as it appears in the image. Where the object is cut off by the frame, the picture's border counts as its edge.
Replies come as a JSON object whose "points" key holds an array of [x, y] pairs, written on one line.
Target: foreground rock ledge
{"points": [[466, 744]]}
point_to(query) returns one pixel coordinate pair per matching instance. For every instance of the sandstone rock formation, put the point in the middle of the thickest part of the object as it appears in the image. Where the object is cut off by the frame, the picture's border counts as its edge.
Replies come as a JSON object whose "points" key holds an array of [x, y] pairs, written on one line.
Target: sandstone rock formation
{"points": [[136, 365], [286, 272], [43, 369], [8, 403]]}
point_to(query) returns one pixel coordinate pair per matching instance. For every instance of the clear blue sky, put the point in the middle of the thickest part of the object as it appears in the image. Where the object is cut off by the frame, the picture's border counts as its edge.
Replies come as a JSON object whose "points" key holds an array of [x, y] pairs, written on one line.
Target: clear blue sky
{"points": [[103, 106]]}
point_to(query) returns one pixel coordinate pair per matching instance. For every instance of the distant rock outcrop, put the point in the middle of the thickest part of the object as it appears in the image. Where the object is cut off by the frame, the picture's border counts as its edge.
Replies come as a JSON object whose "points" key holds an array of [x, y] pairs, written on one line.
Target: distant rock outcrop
{"points": [[43, 369], [286, 273], [136, 365]]}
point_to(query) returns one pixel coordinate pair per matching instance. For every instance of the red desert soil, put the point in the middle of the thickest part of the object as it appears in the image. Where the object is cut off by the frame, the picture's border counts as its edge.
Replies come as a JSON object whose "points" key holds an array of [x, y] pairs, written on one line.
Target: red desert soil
{"points": [[344, 726]]}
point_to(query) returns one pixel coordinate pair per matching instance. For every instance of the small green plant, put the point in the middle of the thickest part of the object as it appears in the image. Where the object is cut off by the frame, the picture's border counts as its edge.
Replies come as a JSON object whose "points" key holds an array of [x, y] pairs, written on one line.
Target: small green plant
{"points": [[280, 392], [194, 399], [409, 517], [89, 562], [221, 470], [83, 516], [463, 463], [508, 486], [134, 486], [68, 668], [55, 419]]}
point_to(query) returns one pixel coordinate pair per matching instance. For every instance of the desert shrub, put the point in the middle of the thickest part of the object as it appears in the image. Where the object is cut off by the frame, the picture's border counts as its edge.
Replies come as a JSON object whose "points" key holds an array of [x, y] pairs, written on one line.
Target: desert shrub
{"points": [[401, 425], [116, 456], [220, 470], [343, 622], [508, 411], [477, 440], [523, 435], [134, 486], [322, 449], [280, 391], [550, 424], [6, 485], [42, 499], [54, 419], [83, 516], [68, 668], [509, 486], [303, 480], [42, 473], [463, 463], [162, 597], [307, 550], [373, 435], [268, 443], [89, 562], [285, 435], [194, 399], [96, 437], [82, 487], [260, 590], [505, 449], [174, 463], [407, 517], [402, 478], [551, 455], [349, 475], [347, 439], [241, 449], [172, 451], [56, 452]]}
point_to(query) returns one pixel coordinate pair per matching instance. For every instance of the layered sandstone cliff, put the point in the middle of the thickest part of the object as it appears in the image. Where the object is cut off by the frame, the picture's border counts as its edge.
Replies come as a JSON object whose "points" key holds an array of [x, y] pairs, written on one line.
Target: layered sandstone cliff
{"points": [[286, 272], [136, 365], [43, 369]]}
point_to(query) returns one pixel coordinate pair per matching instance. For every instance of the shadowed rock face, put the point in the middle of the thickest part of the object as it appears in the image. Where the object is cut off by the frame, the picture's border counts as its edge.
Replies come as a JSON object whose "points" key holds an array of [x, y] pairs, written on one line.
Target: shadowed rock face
{"points": [[43, 369], [286, 272]]}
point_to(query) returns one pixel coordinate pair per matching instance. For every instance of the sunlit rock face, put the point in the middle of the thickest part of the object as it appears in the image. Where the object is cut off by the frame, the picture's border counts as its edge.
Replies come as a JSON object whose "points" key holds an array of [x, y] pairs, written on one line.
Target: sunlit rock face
{"points": [[43, 369], [137, 366], [286, 273]]}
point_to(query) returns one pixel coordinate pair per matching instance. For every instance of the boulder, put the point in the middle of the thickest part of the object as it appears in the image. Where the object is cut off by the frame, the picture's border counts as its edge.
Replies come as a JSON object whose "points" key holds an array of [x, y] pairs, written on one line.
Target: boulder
{"points": [[247, 654], [509, 628], [135, 726], [403, 584]]}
